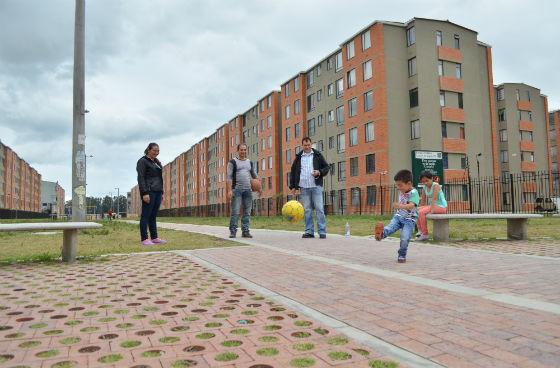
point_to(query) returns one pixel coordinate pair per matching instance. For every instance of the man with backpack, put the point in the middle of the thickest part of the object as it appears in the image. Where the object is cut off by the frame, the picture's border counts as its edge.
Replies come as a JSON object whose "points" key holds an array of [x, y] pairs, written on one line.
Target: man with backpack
{"points": [[239, 174]]}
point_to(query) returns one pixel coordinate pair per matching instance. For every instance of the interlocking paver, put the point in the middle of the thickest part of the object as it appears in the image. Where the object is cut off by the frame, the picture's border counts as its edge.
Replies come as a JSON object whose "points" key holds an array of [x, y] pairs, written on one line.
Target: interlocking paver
{"points": [[150, 310]]}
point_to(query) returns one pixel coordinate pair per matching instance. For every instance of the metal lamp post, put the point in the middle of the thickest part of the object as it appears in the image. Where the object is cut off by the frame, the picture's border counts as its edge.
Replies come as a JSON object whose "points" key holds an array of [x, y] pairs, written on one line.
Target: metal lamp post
{"points": [[381, 173], [118, 202]]}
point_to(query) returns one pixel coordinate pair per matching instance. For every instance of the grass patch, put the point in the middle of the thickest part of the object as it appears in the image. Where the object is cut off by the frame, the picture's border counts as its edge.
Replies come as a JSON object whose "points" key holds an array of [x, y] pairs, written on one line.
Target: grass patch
{"points": [[205, 336], [267, 352], [111, 358], [47, 354], [303, 346], [339, 355], [29, 344], [382, 364], [302, 362], [268, 339], [65, 364], [127, 344], [70, 340], [152, 353], [114, 237], [169, 339], [226, 357], [303, 323], [240, 331], [183, 363], [231, 343], [338, 340]]}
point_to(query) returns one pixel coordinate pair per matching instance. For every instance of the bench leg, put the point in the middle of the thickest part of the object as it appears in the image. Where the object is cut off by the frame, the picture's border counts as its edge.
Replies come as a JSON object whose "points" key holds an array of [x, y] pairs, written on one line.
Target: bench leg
{"points": [[517, 229], [69, 245], [441, 230]]}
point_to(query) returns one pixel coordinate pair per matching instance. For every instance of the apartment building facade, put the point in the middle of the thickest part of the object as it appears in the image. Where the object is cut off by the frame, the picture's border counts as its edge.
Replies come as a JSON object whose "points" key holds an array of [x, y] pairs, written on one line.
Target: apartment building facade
{"points": [[52, 198], [554, 138]]}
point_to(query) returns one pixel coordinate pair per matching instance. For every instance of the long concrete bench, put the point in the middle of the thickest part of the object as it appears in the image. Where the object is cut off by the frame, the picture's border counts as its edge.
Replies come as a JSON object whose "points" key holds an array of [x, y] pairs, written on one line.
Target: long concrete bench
{"points": [[69, 237], [516, 223]]}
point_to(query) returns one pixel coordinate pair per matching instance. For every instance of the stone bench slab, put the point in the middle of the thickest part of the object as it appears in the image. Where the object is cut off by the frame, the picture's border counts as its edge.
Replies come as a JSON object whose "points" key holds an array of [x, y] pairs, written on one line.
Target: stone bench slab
{"points": [[483, 216]]}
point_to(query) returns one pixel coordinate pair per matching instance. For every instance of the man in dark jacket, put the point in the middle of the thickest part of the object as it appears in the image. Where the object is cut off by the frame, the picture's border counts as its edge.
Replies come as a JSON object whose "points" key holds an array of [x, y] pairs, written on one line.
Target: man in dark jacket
{"points": [[306, 175]]}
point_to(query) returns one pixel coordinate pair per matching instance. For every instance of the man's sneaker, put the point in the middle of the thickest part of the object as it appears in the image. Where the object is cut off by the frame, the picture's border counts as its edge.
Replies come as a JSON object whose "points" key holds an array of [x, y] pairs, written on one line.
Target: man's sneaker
{"points": [[323, 236], [418, 235], [246, 234], [306, 236], [159, 241], [232, 235], [379, 228], [401, 259], [147, 242], [422, 237]]}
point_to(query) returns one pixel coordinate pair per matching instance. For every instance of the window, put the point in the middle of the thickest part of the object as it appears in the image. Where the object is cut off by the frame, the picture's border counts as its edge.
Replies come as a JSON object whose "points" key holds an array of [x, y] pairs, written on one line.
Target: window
{"points": [[297, 130], [296, 107], [330, 89], [269, 182], [366, 40], [445, 160], [269, 101], [460, 100], [504, 156], [319, 95], [340, 143], [352, 106], [370, 132], [530, 115], [517, 95], [296, 84], [311, 127], [500, 94], [320, 120], [340, 115], [368, 100], [519, 115], [410, 36], [355, 193], [351, 78], [438, 38], [350, 52], [456, 42], [354, 166], [288, 135], [413, 96], [331, 142], [528, 95], [464, 162], [269, 121], [339, 88], [269, 141], [310, 78], [442, 98], [370, 163], [287, 111], [330, 116], [338, 61], [502, 115], [263, 164], [318, 70], [368, 71], [342, 171], [330, 63], [371, 195], [440, 68], [415, 129], [525, 135], [311, 102], [444, 130], [320, 145], [263, 146], [288, 155], [527, 156], [458, 71], [412, 67], [287, 89], [353, 136], [461, 131], [298, 149], [270, 162], [262, 125]]}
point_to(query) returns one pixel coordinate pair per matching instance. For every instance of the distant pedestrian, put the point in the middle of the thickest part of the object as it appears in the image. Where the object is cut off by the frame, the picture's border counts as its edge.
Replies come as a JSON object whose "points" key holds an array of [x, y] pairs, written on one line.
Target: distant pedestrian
{"points": [[150, 184], [431, 201], [239, 175], [110, 214], [406, 213], [306, 175]]}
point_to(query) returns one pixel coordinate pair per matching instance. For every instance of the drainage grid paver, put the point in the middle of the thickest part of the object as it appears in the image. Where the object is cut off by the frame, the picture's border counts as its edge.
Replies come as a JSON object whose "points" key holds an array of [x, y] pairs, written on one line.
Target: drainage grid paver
{"points": [[155, 310]]}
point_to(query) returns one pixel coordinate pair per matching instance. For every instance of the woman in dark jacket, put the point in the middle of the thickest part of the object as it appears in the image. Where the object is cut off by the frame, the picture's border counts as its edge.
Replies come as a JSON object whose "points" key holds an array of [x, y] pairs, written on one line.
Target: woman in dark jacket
{"points": [[150, 184]]}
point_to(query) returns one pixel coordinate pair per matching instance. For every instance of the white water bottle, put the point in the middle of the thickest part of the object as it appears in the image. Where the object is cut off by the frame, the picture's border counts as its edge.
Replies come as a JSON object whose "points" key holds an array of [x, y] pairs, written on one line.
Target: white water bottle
{"points": [[347, 230]]}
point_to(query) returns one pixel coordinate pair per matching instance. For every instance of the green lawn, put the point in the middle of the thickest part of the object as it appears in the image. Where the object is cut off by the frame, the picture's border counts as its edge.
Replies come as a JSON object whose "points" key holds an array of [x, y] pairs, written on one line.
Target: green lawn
{"points": [[363, 225], [114, 237]]}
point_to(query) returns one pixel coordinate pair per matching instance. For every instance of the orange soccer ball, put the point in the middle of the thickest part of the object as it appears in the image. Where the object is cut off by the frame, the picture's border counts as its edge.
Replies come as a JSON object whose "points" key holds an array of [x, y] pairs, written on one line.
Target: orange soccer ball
{"points": [[255, 185]]}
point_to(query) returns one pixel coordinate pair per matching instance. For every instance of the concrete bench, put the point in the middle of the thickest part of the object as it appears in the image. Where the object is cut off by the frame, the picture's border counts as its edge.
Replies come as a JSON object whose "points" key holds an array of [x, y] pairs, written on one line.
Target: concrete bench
{"points": [[516, 223], [70, 233]]}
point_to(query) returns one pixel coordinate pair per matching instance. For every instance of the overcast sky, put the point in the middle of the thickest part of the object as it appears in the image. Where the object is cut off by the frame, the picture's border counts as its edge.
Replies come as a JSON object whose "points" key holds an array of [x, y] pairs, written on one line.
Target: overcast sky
{"points": [[173, 71]]}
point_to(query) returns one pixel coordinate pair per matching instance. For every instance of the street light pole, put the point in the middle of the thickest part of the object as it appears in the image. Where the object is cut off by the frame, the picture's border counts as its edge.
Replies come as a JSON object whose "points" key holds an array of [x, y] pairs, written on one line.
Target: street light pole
{"points": [[118, 203], [78, 131]]}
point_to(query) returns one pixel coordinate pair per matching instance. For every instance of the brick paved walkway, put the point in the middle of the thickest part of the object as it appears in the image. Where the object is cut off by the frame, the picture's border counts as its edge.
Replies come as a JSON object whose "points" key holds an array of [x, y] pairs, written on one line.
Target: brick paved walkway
{"points": [[156, 310], [456, 307]]}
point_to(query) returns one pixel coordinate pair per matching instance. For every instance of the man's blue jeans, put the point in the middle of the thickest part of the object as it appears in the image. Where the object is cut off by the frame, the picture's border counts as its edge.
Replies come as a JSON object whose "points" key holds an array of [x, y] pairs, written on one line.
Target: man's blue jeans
{"points": [[312, 198], [148, 216], [245, 198], [406, 226]]}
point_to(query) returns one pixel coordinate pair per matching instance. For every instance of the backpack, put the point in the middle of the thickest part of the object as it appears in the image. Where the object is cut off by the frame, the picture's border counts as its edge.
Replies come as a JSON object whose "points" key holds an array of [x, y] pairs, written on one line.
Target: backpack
{"points": [[234, 172]]}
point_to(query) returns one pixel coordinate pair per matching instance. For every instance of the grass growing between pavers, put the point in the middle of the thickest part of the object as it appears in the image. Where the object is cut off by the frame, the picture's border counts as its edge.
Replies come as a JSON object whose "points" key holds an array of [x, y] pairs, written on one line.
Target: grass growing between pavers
{"points": [[113, 237], [362, 225]]}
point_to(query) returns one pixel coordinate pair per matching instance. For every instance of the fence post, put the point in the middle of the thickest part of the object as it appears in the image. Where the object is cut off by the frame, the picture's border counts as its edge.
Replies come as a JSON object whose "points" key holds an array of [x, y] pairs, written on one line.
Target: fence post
{"points": [[381, 194], [470, 195], [511, 189]]}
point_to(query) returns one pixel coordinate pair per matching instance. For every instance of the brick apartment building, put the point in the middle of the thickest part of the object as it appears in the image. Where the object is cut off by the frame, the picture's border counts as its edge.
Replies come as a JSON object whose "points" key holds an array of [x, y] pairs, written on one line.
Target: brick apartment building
{"points": [[52, 198], [387, 91]]}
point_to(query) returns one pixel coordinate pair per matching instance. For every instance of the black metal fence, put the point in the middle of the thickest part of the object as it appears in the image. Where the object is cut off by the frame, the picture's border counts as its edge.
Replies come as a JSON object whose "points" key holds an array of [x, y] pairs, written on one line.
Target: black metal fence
{"points": [[511, 193], [19, 214]]}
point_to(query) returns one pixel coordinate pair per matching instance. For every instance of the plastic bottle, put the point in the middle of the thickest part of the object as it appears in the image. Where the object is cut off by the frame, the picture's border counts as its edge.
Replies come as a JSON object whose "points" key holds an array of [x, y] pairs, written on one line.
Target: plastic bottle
{"points": [[347, 230]]}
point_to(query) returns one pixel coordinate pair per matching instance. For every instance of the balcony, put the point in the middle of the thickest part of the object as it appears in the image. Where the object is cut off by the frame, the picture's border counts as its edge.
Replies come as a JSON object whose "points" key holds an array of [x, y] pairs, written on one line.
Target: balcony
{"points": [[528, 166], [451, 84], [526, 146], [454, 145], [524, 105], [452, 114], [454, 174], [449, 54], [526, 125]]}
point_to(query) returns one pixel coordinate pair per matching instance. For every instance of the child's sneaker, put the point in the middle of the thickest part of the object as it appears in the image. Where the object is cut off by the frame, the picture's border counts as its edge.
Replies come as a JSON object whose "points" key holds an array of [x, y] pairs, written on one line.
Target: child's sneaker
{"points": [[379, 228], [159, 241], [401, 259], [147, 242], [422, 237]]}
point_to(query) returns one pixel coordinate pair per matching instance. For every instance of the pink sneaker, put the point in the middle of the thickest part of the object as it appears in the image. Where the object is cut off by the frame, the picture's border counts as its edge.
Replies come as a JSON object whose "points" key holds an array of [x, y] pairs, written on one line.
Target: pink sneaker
{"points": [[158, 241], [147, 242]]}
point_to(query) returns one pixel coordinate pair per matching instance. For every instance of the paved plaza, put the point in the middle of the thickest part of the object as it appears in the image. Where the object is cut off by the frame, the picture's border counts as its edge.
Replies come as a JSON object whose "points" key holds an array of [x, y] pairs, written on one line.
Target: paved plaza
{"points": [[281, 301]]}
